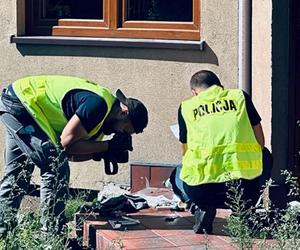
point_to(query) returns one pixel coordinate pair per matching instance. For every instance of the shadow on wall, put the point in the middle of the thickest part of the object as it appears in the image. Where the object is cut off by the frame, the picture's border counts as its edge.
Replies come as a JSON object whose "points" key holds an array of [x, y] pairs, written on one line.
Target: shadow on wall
{"points": [[191, 56], [280, 88]]}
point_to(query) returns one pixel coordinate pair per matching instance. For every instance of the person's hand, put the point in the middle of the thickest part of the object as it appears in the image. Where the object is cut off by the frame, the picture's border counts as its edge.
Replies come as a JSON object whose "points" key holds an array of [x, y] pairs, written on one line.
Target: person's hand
{"points": [[120, 142]]}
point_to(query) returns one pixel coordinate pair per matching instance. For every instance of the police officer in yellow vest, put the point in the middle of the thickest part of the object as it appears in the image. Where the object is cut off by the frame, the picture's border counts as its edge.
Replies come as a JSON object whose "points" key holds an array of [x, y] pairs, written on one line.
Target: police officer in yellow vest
{"points": [[222, 140], [51, 118]]}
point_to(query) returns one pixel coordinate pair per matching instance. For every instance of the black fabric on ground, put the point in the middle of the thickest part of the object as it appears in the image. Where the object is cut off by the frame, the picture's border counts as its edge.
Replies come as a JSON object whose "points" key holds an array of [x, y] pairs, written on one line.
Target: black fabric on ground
{"points": [[111, 206]]}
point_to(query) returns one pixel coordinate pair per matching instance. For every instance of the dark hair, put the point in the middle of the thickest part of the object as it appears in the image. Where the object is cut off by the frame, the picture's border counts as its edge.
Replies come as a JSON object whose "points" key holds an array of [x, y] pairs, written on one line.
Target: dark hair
{"points": [[138, 113], [204, 79]]}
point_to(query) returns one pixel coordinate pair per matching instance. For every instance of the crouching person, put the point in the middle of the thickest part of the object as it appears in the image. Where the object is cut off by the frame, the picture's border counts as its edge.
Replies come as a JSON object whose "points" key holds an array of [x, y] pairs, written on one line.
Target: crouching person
{"points": [[222, 141]]}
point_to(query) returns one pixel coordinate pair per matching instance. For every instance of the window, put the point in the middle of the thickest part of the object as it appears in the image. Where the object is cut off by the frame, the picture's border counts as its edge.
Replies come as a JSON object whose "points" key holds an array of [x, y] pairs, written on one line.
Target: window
{"points": [[160, 19]]}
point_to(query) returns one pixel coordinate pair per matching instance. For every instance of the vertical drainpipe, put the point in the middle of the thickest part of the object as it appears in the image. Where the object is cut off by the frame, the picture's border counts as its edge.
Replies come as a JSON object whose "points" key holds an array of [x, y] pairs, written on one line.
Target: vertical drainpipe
{"points": [[245, 39]]}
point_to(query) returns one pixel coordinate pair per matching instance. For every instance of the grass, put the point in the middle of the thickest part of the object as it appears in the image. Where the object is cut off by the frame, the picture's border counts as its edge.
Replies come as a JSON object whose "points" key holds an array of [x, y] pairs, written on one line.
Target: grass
{"points": [[27, 234], [73, 206], [24, 229], [246, 224], [237, 224]]}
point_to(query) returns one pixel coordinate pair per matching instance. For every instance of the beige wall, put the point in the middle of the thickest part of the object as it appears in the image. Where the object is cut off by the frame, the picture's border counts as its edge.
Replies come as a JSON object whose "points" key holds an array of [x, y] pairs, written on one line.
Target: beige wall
{"points": [[158, 77], [262, 62]]}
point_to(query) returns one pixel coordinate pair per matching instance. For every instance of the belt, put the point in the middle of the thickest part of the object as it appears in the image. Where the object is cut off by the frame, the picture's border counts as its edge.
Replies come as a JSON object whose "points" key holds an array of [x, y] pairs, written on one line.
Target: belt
{"points": [[9, 94], [6, 92], [12, 103], [9, 91]]}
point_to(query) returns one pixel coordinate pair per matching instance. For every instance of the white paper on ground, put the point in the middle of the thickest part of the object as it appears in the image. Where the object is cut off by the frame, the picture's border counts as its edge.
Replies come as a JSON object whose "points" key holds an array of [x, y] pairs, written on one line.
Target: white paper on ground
{"points": [[175, 130]]}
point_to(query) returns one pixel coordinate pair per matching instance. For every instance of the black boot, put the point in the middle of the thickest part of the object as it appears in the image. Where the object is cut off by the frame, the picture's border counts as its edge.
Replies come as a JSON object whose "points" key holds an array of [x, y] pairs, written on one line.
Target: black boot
{"points": [[204, 220]]}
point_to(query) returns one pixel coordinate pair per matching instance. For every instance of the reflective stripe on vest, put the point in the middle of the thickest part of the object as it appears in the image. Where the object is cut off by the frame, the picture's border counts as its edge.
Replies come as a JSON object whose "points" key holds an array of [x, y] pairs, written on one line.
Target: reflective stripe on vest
{"points": [[42, 96], [221, 144]]}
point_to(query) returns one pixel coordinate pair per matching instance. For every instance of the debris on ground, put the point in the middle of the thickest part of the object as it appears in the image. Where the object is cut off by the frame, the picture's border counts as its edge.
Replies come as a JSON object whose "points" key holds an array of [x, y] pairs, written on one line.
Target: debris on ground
{"points": [[111, 190], [160, 198]]}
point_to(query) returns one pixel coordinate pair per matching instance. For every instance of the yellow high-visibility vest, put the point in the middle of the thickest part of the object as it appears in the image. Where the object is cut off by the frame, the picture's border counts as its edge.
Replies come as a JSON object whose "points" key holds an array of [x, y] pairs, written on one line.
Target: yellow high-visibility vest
{"points": [[42, 97], [221, 144]]}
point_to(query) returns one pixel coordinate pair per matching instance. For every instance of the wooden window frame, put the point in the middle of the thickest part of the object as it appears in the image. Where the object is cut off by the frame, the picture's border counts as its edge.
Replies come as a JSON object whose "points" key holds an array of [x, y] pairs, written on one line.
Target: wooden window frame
{"points": [[34, 23], [115, 25]]}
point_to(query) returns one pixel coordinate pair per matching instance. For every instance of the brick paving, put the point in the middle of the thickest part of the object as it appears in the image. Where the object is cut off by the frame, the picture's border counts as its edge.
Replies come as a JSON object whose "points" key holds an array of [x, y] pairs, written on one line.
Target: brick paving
{"points": [[158, 229]]}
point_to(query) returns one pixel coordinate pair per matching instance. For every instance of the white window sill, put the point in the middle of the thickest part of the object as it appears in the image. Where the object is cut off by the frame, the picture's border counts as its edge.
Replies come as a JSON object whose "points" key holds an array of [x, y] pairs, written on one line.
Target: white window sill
{"points": [[109, 42]]}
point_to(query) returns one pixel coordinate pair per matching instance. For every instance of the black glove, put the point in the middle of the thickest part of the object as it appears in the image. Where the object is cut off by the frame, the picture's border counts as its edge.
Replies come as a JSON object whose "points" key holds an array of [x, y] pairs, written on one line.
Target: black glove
{"points": [[120, 142]]}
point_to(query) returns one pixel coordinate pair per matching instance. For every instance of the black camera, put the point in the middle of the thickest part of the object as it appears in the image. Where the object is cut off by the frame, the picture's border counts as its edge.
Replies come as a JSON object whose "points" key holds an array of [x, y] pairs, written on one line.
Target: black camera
{"points": [[122, 157], [111, 162], [112, 158]]}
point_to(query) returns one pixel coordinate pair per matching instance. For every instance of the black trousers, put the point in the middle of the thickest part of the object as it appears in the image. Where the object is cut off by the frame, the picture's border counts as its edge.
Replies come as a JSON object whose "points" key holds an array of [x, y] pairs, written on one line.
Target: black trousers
{"points": [[214, 195]]}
